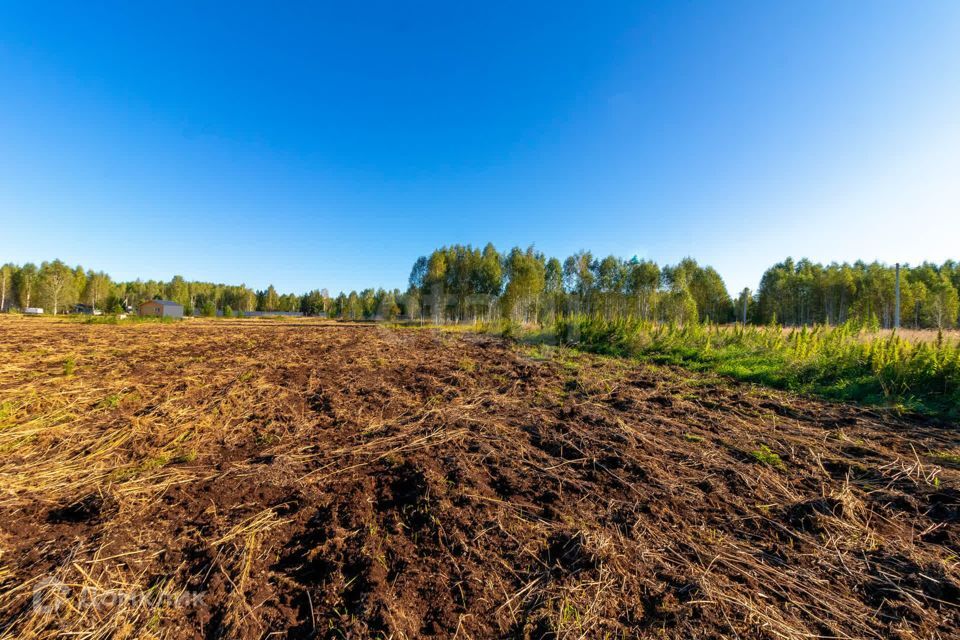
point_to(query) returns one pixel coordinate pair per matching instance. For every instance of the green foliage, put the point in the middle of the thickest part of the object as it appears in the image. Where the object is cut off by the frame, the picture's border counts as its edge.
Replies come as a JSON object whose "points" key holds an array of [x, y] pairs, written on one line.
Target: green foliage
{"points": [[764, 455], [946, 457], [132, 319], [526, 280], [113, 304], [69, 365], [110, 402], [315, 302], [844, 363], [804, 292], [57, 286], [462, 283], [228, 311]]}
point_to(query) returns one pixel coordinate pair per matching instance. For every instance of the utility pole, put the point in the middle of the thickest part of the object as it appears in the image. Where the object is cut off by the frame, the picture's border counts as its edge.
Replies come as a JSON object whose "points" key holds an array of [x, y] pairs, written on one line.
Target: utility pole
{"points": [[896, 309]]}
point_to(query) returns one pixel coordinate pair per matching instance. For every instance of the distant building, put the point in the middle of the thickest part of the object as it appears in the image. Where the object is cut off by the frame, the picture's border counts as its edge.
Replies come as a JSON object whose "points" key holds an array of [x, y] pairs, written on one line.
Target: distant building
{"points": [[161, 309], [33, 311]]}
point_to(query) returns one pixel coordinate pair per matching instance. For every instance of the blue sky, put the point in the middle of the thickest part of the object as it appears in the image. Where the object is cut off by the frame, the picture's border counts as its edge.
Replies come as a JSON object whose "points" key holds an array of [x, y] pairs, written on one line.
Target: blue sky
{"points": [[329, 144]]}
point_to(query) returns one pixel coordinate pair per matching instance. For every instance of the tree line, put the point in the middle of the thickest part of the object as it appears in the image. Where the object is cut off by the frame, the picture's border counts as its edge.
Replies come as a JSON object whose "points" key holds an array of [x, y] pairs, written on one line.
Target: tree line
{"points": [[461, 283], [804, 293], [57, 288]]}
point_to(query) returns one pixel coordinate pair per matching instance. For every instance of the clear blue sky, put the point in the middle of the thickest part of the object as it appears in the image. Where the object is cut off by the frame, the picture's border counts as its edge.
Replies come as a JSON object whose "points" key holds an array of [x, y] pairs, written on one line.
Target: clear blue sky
{"points": [[329, 144]]}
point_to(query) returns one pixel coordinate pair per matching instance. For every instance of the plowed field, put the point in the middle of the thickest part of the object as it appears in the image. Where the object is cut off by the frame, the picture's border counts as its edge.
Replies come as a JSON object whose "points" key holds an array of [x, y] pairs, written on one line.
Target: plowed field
{"points": [[236, 479]]}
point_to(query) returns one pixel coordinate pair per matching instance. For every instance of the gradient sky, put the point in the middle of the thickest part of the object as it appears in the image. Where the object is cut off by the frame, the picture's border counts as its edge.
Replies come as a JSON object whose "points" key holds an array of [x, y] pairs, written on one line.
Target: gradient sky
{"points": [[329, 144]]}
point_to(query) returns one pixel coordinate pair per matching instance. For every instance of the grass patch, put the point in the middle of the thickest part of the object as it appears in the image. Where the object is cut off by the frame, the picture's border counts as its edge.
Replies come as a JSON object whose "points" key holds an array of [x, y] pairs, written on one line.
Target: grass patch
{"points": [[7, 411], [843, 363], [110, 402], [184, 458], [946, 457], [764, 455], [114, 319]]}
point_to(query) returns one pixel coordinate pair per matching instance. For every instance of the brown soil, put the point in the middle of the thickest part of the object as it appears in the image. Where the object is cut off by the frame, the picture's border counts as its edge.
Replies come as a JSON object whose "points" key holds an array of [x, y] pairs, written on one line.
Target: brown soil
{"points": [[307, 480]]}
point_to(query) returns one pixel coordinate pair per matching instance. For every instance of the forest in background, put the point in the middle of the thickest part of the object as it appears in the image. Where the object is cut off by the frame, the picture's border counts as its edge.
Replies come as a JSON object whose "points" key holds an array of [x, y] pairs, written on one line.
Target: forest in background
{"points": [[465, 284]]}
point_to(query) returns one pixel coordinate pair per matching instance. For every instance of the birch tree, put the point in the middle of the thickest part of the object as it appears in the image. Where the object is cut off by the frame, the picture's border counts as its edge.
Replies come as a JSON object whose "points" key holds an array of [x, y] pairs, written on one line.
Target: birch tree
{"points": [[6, 284], [26, 284], [57, 285]]}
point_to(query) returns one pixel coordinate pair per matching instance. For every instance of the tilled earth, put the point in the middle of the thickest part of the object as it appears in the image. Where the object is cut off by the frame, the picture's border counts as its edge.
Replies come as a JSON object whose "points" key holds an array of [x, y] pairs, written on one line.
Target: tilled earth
{"points": [[278, 479]]}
